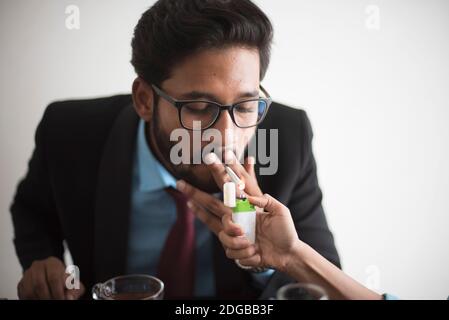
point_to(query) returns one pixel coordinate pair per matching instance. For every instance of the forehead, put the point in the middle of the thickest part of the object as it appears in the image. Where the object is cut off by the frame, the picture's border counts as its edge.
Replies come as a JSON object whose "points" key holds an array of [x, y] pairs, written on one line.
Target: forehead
{"points": [[217, 70]]}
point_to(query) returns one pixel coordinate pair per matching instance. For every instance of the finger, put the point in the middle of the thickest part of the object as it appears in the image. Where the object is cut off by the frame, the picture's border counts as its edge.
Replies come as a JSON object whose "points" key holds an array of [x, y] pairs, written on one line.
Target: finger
{"points": [[210, 220], [206, 200], [253, 261], [249, 166], [249, 181], [235, 243], [230, 227], [217, 169], [39, 280], [266, 202], [232, 162], [241, 253], [55, 277], [75, 294], [25, 287]]}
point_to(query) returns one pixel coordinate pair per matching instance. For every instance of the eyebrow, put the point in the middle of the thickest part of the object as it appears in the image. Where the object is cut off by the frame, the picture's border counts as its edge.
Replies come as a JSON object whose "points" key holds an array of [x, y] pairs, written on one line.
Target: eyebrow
{"points": [[194, 95]]}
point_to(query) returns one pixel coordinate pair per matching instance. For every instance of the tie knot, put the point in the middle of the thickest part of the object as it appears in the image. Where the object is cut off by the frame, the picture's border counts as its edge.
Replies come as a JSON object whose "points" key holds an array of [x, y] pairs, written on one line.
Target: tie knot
{"points": [[181, 202]]}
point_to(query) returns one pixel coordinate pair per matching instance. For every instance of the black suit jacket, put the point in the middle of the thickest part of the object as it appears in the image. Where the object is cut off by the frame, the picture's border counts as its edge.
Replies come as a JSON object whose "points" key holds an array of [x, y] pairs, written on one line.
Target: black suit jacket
{"points": [[78, 188]]}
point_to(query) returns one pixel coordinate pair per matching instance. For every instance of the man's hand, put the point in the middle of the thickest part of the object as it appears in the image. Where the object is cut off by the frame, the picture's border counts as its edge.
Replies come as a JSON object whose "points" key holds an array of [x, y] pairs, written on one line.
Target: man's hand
{"points": [[208, 208], [45, 279], [245, 172]]}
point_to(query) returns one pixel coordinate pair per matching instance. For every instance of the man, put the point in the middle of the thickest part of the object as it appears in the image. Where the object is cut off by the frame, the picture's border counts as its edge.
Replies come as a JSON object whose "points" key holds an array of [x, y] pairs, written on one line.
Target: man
{"points": [[102, 175]]}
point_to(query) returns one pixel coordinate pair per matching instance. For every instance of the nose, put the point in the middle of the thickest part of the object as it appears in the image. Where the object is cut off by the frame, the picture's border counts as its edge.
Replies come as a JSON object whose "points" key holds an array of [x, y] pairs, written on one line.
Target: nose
{"points": [[224, 122], [227, 130]]}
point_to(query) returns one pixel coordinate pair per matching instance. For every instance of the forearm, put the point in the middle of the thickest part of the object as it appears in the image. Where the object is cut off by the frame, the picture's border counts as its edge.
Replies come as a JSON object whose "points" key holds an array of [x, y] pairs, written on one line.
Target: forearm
{"points": [[307, 265]]}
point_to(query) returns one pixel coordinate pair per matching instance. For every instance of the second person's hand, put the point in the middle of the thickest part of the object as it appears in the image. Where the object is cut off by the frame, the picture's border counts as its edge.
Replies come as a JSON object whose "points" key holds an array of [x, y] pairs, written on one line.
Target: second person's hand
{"points": [[276, 236]]}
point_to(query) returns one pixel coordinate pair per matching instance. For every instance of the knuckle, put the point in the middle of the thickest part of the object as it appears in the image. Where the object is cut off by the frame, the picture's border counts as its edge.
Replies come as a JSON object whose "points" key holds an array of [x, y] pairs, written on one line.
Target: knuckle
{"points": [[214, 205], [207, 218], [228, 241], [227, 224], [244, 253], [54, 280], [54, 261], [249, 251], [189, 190], [268, 198], [39, 287], [235, 242], [221, 236]]}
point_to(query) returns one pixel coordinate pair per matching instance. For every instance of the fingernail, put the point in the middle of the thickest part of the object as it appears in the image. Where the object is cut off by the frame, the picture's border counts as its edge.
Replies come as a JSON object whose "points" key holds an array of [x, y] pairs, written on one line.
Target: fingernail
{"points": [[211, 158], [189, 204], [180, 185], [229, 157]]}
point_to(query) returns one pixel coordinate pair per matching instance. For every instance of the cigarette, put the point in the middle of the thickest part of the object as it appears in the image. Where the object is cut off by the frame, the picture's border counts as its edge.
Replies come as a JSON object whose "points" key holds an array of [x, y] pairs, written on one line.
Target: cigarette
{"points": [[234, 177]]}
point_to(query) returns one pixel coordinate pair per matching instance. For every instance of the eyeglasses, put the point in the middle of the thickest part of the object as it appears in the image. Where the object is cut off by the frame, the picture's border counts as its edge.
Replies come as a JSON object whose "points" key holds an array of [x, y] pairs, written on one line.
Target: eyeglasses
{"points": [[245, 114]]}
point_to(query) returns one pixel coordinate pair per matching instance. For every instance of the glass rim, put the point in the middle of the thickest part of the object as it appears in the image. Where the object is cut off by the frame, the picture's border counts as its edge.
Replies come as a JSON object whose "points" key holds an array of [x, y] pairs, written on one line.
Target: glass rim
{"points": [[148, 277], [280, 295]]}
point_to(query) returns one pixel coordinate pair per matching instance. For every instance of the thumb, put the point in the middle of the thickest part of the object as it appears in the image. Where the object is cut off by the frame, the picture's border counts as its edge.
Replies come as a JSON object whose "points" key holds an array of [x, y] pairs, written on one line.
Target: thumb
{"points": [[268, 203]]}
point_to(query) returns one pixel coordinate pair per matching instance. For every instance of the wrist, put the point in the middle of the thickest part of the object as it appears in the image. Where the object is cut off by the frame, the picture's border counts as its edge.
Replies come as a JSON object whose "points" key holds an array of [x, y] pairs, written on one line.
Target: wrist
{"points": [[293, 257]]}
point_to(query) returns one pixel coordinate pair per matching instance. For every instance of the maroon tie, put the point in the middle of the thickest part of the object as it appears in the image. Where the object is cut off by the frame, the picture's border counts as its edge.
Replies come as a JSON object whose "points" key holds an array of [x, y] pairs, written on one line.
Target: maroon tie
{"points": [[177, 261]]}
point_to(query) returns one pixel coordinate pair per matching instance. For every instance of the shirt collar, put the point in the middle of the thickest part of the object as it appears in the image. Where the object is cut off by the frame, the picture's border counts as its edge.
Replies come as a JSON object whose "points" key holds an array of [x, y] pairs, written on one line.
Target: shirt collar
{"points": [[152, 175]]}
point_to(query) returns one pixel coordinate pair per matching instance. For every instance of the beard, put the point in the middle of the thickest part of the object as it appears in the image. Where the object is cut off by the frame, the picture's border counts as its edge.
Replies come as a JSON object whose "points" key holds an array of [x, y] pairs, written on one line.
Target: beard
{"points": [[198, 175]]}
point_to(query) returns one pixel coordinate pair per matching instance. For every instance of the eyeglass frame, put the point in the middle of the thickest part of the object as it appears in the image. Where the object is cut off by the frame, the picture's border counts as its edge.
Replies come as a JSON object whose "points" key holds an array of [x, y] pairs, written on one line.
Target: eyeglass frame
{"points": [[178, 104]]}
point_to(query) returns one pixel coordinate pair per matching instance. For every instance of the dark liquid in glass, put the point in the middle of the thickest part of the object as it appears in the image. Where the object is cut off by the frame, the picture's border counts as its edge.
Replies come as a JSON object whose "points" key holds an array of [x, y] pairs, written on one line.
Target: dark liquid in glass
{"points": [[130, 296]]}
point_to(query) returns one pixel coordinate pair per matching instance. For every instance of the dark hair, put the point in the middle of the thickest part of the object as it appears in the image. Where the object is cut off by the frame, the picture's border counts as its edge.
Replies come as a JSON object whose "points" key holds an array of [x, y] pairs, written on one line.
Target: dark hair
{"points": [[171, 30]]}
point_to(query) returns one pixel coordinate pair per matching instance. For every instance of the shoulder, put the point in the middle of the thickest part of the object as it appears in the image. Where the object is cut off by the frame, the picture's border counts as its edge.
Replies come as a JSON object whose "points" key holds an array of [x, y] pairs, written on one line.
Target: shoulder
{"points": [[287, 119], [288, 138], [90, 110], [292, 125], [82, 119]]}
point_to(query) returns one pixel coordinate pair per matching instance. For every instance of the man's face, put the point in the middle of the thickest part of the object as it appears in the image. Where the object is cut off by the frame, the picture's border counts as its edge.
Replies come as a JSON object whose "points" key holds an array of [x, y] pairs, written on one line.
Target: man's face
{"points": [[225, 76]]}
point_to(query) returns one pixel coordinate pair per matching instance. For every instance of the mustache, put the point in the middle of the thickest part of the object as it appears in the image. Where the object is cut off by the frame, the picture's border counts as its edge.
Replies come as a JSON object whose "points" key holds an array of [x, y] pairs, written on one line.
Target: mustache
{"points": [[219, 150]]}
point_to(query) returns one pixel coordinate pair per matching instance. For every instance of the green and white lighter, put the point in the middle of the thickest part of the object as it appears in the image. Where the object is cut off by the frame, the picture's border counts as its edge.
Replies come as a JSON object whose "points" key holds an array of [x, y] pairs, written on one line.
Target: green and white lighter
{"points": [[243, 212]]}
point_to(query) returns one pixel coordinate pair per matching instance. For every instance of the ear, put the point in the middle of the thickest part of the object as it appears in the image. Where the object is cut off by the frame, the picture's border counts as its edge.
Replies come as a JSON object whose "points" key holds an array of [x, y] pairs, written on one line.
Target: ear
{"points": [[143, 99]]}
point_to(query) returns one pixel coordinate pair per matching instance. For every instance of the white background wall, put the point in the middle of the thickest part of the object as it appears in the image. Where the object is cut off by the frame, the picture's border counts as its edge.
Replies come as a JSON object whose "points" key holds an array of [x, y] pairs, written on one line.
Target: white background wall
{"points": [[378, 100]]}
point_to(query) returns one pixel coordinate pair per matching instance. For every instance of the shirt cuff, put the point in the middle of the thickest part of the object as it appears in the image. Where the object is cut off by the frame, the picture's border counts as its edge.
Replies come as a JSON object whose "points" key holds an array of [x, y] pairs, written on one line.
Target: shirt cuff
{"points": [[387, 296], [261, 278]]}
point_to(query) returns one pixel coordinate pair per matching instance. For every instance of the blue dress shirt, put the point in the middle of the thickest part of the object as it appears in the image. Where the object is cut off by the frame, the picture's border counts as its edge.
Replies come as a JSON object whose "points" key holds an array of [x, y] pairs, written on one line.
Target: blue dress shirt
{"points": [[153, 213]]}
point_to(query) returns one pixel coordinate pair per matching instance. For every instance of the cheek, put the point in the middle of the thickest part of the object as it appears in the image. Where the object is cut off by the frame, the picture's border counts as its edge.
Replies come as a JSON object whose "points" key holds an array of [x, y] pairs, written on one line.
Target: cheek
{"points": [[167, 116], [248, 134], [243, 136]]}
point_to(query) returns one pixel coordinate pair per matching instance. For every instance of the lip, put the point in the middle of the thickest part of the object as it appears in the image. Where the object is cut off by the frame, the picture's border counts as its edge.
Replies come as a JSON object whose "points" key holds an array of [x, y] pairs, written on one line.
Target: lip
{"points": [[220, 152]]}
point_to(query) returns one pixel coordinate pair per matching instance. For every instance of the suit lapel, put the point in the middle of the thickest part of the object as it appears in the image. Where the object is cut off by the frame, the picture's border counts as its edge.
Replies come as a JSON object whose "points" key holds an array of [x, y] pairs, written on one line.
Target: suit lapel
{"points": [[113, 196]]}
